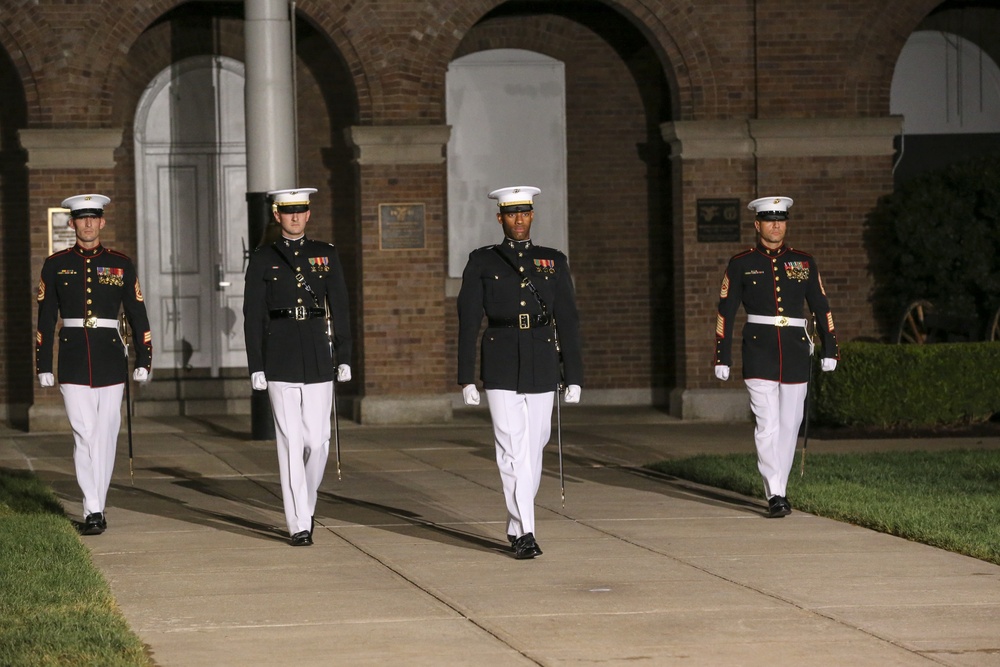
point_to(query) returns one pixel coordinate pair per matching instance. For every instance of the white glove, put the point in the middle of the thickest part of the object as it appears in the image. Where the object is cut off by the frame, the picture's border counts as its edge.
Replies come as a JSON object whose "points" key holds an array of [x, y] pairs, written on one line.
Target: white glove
{"points": [[828, 363], [258, 381], [140, 375], [343, 373], [572, 393], [47, 379], [470, 394], [722, 372]]}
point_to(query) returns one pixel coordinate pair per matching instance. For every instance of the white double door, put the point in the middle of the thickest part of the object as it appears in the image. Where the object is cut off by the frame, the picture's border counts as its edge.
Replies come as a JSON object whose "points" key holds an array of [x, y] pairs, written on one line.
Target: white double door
{"points": [[192, 215]]}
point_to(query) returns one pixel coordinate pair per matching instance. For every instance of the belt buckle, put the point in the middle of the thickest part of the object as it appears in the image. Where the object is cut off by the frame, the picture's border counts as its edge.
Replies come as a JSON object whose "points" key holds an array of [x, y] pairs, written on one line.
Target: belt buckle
{"points": [[781, 321], [300, 313], [524, 321], [90, 322]]}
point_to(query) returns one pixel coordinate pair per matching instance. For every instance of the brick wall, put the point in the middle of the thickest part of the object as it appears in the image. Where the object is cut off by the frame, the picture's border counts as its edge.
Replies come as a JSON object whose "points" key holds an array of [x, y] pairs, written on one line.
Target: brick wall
{"points": [[404, 328], [47, 189], [646, 288], [698, 267], [833, 196], [834, 60], [618, 247]]}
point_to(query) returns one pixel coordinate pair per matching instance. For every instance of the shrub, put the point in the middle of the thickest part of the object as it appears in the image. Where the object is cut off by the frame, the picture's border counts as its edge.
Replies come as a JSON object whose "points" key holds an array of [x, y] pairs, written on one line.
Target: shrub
{"points": [[938, 238], [909, 385]]}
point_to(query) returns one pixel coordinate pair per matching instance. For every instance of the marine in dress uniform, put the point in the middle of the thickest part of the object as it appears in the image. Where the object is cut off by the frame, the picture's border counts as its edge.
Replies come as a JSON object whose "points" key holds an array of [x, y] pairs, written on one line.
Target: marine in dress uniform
{"points": [[87, 285], [292, 286], [773, 282], [520, 352]]}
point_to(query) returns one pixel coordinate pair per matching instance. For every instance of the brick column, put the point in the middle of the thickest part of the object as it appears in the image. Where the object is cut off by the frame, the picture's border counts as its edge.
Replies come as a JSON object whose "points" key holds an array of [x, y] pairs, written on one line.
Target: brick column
{"points": [[710, 160], [838, 168], [404, 258], [62, 163], [835, 169]]}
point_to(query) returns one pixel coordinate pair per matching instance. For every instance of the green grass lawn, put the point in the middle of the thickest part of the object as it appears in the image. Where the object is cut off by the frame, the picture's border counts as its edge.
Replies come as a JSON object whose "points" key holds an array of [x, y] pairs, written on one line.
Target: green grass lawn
{"points": [[946, 499], [55, 607]]}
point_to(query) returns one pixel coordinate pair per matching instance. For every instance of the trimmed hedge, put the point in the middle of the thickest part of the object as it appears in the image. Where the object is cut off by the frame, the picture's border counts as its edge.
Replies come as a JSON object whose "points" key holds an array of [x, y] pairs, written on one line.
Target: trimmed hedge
{"points": [[890, 386]]}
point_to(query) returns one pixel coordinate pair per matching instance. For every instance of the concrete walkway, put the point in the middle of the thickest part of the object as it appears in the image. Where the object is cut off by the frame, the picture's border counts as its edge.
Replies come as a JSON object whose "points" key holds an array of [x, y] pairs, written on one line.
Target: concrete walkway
{"points": [[410, 565]]}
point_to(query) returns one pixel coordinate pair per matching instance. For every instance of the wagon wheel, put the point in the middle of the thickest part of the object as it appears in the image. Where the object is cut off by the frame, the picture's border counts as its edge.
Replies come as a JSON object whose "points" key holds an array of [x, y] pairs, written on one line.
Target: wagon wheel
{"points": [[993, 332], [913, 325]]}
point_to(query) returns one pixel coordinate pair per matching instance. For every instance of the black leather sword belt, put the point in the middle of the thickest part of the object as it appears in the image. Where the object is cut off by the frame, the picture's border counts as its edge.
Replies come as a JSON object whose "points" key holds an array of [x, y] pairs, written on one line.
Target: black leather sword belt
{"points": [[522, 321], [297, 313]]}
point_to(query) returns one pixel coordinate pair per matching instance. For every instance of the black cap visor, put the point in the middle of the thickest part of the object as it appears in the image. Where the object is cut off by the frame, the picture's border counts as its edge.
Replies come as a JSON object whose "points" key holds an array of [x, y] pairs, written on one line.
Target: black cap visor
{"points": [[515, 208], [87, 213], [772, 215], [293, 208]]}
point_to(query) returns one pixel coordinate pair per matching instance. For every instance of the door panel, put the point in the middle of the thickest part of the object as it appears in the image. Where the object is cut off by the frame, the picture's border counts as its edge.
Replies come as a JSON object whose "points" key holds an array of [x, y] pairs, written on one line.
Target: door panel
{"points": [[191, 202], [175, 281], [232, 245]]}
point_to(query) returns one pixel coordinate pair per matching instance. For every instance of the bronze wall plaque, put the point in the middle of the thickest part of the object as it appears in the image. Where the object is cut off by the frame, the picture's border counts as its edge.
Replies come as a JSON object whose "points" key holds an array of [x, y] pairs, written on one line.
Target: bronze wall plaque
{"points": [[401, 226], [718, 220]]}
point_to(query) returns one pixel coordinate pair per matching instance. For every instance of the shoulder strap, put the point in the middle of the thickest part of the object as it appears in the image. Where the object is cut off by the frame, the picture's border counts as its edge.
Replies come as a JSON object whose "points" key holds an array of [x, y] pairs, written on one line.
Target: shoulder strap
{"points": [[299, 278]]}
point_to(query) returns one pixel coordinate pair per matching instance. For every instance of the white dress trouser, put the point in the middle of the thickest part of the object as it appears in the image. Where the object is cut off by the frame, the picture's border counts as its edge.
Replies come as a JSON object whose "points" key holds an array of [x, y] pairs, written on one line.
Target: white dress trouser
{"points": [[778, 409], [95, 415], [522, 424], [302, 429]]}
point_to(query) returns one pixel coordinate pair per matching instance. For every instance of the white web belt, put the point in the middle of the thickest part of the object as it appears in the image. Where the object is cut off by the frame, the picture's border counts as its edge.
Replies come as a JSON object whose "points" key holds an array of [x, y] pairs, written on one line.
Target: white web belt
{"points": [[90, 322], [782, 321], [777, 320]]}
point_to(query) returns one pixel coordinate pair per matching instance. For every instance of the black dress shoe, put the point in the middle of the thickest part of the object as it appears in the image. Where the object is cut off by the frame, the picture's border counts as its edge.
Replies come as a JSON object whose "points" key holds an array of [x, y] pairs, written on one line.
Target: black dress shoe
{"points": [[302, 538], [526, 547], [777, 507], [94, 524]]}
